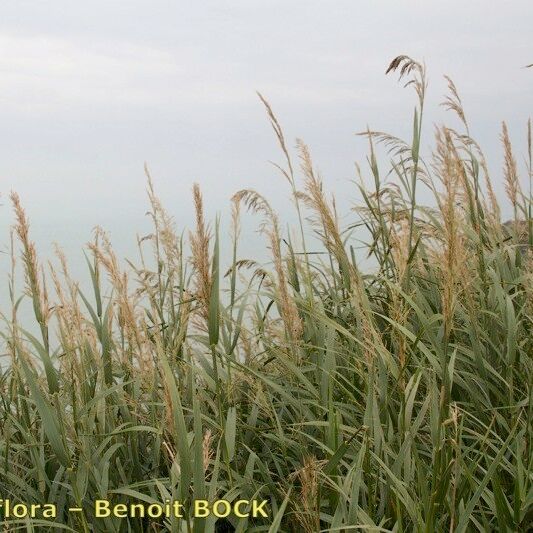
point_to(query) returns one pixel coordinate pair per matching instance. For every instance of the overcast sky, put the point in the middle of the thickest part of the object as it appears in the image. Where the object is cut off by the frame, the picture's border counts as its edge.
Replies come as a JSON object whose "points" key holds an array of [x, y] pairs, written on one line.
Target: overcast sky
{"points": [[89, 91]]}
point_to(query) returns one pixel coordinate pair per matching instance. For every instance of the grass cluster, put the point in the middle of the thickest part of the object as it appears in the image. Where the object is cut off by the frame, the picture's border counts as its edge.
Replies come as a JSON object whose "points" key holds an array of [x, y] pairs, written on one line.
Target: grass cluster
{"points": [[396, 398]]}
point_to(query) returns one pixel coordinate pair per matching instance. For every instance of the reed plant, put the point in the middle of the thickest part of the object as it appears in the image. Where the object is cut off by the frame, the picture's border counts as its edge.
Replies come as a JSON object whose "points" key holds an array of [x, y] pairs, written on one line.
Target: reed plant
{"points": [[392, 398]]}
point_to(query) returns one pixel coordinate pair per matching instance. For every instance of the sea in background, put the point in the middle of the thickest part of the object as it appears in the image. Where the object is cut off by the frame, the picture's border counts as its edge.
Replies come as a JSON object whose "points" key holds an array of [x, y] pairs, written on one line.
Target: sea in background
{"points": [[65, 211]]}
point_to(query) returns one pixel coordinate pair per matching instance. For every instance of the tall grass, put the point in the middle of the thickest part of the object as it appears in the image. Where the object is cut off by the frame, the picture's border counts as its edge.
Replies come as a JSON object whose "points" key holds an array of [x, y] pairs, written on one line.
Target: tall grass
{"points": [[397, 399]]}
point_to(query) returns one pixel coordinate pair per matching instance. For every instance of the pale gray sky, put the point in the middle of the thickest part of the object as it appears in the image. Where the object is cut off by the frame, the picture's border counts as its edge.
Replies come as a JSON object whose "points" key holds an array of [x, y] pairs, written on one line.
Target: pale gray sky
{"points": [[91, 90]]}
